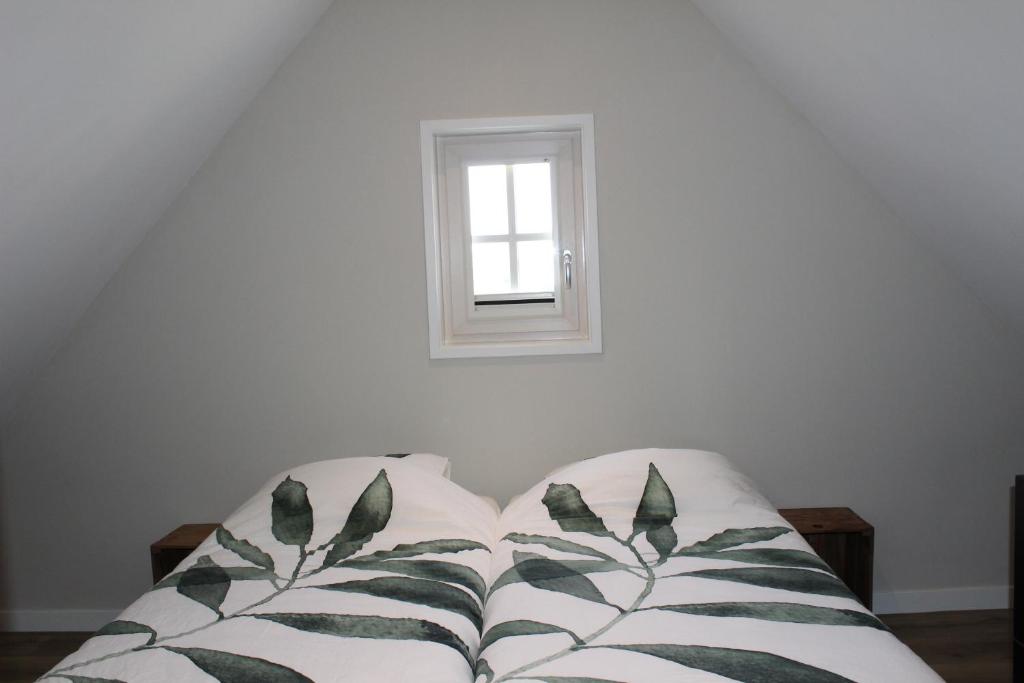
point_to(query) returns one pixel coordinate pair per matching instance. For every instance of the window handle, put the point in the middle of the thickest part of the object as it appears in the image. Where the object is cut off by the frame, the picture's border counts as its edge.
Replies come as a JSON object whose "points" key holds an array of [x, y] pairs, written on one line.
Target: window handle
{"points": [[567, 268]]}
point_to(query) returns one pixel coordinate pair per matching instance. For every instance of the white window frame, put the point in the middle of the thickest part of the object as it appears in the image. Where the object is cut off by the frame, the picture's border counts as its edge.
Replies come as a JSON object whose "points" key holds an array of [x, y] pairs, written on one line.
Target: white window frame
{"points": [[457, 327]]}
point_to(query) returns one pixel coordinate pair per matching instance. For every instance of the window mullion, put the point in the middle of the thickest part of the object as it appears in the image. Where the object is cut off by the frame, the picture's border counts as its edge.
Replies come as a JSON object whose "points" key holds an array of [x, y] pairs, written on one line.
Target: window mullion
{"points": [[513, 252]]}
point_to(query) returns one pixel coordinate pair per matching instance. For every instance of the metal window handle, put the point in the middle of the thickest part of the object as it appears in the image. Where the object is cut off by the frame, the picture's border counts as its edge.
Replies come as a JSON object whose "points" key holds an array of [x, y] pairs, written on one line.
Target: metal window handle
{"points": [[567, 267]]}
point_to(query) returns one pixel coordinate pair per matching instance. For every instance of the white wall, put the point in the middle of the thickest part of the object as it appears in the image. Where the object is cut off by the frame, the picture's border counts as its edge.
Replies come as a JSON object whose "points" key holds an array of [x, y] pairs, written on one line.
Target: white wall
{"points": [[107, 108], [758, 300]]}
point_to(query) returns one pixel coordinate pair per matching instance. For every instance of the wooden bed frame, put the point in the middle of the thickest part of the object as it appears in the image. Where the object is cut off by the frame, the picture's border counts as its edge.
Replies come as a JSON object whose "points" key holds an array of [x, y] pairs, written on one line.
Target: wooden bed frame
{"points": [[1018, 580]]}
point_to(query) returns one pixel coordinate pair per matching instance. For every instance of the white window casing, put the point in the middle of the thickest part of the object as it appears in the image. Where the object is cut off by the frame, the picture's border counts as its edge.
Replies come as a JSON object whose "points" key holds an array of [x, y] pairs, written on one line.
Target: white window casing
{"points": [[540, 291]]}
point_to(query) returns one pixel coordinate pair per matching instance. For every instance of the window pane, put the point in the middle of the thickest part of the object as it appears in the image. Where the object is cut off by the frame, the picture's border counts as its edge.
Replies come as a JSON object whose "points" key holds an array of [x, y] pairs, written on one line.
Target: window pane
{"points": [[488, 200], [536, 266], [533, 197], [492, 272]]}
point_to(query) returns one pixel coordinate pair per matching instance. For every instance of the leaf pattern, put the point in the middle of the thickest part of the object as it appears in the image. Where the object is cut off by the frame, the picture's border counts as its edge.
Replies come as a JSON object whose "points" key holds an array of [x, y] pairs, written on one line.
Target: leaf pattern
{"points": [[438, 546], [557, 544], [655, 513], [415, 579], [549, 575], [733, 537], [513, 575], [247, 551], [779, 557], [484, 669], [121, 628], [522, 627], [291, 514], [412, 577], [566, 507], [787, 569], [418, 592], [234, 574], [749, 666], [206, 583], [370, 514], [378, 628], [787, 612], [426, 569], [796, 580], [231, 668]]}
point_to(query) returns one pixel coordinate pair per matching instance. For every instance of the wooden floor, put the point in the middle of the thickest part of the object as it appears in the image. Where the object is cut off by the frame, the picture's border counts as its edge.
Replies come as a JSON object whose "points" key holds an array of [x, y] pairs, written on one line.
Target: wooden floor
{"points": [[963, 647], [27, 656]]}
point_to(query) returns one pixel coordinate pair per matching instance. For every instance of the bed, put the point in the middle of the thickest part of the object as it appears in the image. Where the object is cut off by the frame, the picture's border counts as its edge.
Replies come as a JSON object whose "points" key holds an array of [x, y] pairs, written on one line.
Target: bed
{"points": [[634, 567]]}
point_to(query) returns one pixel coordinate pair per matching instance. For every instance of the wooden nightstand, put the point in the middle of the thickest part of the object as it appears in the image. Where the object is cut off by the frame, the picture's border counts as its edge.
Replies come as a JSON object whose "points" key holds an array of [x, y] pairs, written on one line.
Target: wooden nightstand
{"points": [[844, 540], [170, 550]]}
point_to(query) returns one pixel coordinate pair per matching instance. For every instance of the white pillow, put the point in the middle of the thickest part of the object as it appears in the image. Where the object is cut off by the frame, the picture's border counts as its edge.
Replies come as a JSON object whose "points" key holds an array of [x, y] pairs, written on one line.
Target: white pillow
{"points": [[699, 480], [428, 461], [491, 503]]}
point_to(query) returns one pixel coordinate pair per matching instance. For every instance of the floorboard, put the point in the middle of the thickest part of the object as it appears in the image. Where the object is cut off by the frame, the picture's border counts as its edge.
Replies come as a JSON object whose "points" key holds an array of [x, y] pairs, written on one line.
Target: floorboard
{"points": [[963, 647], [25, 657]]}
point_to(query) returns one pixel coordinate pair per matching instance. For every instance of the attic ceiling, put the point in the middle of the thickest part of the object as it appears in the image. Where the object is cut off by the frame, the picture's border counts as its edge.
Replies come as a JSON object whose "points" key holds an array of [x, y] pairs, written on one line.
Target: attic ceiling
{"points": [[107, 107], [925, 99]]}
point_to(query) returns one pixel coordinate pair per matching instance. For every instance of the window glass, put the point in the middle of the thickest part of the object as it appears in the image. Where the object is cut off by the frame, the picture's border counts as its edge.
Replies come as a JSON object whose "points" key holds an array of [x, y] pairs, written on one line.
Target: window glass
{"points": [[536, 266], [532, 184], [488, 200], [492, 273]]}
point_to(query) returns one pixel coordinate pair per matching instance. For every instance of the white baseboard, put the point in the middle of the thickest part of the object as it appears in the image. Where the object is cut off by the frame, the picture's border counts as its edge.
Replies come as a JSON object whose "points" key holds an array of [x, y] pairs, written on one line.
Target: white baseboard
{"points": [[942, 600], [56, 619], [891, 602]]}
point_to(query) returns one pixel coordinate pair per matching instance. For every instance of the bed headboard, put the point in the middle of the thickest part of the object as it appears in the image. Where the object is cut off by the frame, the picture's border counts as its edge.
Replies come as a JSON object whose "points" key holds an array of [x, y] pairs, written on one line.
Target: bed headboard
{"points": [[1018, 579]]}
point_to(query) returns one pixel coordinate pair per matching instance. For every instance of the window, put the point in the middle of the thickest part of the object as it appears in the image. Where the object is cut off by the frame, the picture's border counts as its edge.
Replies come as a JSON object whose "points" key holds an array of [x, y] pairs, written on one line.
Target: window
{"points": [[511, 236]]}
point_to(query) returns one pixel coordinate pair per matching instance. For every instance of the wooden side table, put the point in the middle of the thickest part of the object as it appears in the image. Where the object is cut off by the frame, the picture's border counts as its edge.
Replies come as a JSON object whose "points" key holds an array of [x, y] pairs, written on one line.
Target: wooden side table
{"points": [[170, 550], [844, 540]]}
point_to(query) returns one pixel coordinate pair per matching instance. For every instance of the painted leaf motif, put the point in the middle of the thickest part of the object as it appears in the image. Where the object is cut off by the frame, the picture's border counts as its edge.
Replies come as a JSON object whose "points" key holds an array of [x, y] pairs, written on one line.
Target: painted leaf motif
{"points": [[416, 591], [778, 557], [206, 583], [88, 679], [566, 506], [733, 537], [231, 668], [573, 679], [512, 574], [234, 574], [655, 513], [796, 580], [484, 669], [557, 544], [780, 611], [664, 539], [244, 549], [395, 455], [123, 628], [291, 514], [377, 628], [749, 666], [657, 504], [370, 514], [550, 575], [440, 546], [426, 569], [522, 627]]}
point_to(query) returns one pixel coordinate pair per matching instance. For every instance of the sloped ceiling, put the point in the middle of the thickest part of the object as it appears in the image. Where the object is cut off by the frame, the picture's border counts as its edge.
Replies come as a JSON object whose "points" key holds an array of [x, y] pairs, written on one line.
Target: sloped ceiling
{"points": [[107, 107], [925, 99]]}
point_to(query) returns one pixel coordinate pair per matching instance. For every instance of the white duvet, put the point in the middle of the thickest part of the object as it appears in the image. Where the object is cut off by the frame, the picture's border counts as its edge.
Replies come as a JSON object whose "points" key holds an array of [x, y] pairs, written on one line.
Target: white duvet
{"points": [[662, 565], [642, 566]]}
